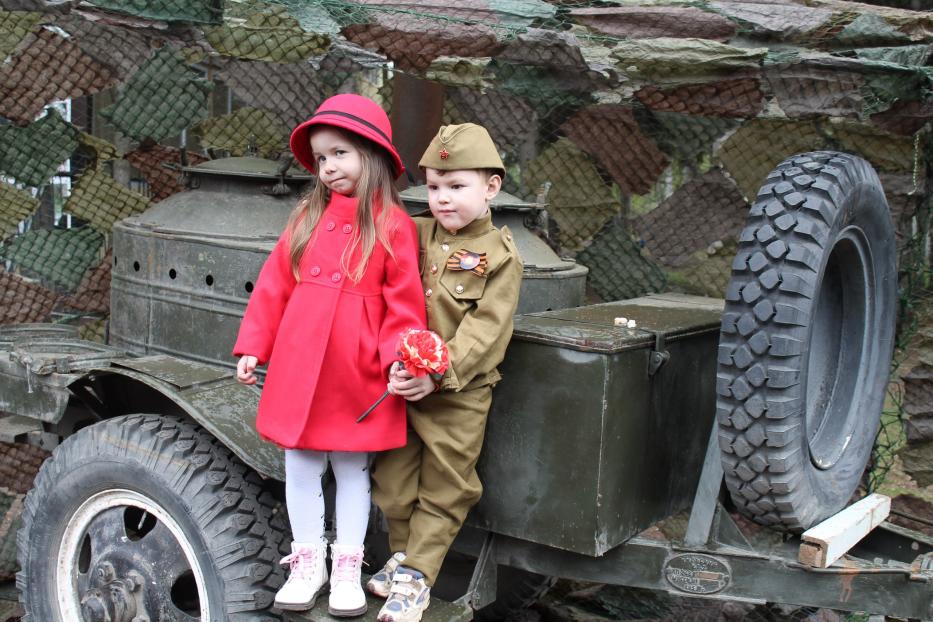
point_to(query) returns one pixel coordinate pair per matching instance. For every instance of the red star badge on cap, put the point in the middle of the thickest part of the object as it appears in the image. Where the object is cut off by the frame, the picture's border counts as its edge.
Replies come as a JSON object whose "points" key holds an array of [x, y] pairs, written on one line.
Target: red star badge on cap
{"points": [[444, 154]]}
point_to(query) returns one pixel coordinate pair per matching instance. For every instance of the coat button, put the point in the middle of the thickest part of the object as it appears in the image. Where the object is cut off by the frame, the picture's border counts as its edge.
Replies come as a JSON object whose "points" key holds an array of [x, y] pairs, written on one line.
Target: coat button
{"points": [[445, 247], [433, 268], [335, 277], [347, 228], [428, 292], [330, 225], [459, 289], [316, 270]]}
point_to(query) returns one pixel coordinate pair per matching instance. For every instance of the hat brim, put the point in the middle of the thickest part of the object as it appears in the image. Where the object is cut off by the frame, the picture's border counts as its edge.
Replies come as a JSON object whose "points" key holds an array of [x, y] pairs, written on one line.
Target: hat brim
{"points": [[300, 141]]}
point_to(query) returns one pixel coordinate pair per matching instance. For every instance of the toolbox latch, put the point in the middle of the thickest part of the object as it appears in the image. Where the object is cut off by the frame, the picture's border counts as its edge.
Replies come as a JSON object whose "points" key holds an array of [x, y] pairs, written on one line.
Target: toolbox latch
{"points": [[658, 356]]}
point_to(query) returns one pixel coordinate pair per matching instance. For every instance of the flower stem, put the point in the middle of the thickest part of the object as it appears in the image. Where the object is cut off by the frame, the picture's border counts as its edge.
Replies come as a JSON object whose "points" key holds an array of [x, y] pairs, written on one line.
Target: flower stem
{"points": [[373, 407]]}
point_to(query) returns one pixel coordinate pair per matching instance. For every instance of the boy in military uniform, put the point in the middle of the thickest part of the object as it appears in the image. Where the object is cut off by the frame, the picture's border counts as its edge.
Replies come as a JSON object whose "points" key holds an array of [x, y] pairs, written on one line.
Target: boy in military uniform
{"points": [[471, 273]]}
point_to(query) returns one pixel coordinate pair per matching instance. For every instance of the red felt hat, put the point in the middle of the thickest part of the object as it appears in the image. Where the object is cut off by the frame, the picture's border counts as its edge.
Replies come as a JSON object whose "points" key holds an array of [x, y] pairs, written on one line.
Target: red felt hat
{"points": [[353, 113]]}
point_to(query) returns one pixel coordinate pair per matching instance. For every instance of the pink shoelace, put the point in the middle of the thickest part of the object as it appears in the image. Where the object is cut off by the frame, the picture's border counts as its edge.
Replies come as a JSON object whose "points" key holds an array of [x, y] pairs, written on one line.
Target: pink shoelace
{"points": [[348, 567], [300, 563]]}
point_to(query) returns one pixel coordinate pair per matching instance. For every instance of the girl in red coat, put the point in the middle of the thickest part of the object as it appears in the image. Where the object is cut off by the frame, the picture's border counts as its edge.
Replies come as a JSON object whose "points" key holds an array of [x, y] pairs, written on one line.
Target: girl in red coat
{"points": [[326, 312]]}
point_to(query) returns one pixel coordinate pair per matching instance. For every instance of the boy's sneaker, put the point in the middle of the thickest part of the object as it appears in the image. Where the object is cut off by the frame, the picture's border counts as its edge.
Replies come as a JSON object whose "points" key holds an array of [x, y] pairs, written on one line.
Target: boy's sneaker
{"points": [[308, 574], [347, 598], [408, 597], [381, 582]]}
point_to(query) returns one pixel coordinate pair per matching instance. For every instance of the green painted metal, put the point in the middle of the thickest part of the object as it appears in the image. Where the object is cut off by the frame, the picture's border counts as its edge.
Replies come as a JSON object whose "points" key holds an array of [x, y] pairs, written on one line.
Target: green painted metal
{"points": [[584, 447], [767, 573], [195, 257], [42, 369], [439, 611]]}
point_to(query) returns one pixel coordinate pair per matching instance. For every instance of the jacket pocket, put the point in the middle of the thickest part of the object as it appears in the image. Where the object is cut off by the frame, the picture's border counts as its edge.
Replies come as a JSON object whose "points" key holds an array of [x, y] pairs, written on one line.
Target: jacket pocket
{"points": [[463, 284]]}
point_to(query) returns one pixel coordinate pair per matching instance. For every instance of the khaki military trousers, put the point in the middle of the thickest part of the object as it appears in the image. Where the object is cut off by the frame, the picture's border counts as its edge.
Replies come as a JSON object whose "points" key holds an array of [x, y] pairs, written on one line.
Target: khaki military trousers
{"points": [[426, 488]]}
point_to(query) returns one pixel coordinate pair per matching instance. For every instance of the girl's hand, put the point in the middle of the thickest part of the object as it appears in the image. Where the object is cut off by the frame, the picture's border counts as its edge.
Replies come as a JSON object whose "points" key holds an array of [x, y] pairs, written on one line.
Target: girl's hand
{"points": [[244, 369], [412, 389], [395, 369]]}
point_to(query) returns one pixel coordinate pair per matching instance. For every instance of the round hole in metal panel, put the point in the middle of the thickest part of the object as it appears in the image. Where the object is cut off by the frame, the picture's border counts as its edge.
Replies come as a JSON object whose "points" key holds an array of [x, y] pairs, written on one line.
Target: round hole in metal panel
{"points": [[136, 266], [249, 287], [209, 280], [172, 274]]}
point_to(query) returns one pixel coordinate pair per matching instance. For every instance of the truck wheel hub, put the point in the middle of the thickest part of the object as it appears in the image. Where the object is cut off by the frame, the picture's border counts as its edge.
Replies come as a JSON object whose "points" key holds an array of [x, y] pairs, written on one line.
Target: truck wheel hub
{"points": [[122, 556]]}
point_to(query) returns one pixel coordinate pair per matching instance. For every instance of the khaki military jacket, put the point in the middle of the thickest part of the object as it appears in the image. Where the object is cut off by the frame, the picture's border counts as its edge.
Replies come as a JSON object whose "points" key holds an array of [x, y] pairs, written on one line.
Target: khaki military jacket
{"points": [[470, 308]]}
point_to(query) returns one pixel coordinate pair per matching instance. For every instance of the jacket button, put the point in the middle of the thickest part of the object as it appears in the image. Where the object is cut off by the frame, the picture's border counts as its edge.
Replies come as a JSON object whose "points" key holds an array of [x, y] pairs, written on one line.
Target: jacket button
{"points": [[428, 292], [331, 225], [459, 289], [335, 277], [347, 228], [445, 247], [433, 268], [316, 270]]}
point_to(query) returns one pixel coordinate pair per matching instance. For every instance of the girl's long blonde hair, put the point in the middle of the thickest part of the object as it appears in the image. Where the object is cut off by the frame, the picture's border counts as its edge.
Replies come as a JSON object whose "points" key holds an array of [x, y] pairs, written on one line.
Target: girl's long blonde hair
{"points": [[375, 194]]}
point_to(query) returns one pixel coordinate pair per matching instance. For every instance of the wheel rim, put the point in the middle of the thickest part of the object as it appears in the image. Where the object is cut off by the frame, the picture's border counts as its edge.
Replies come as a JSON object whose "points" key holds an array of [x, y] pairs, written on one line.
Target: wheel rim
{"points": [[103, 565], [839, 349]]}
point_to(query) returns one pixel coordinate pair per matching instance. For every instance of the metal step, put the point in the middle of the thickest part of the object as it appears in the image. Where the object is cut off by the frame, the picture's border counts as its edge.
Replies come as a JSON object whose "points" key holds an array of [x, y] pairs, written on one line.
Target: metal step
{"points": [[439, 611]]}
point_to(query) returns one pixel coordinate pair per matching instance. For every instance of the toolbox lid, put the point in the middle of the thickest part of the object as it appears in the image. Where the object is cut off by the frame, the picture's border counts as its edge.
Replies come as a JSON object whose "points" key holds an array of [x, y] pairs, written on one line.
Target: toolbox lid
{"points": [[592, 328]]}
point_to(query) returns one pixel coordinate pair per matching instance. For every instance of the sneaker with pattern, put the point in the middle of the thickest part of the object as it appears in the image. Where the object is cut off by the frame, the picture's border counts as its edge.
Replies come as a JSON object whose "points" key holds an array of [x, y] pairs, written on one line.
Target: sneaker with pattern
{"points": [[409, 596], [381, 582]]}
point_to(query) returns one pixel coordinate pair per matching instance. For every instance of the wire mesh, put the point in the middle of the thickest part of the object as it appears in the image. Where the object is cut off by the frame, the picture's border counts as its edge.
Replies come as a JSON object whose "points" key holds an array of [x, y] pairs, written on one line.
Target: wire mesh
{"points": [[649, 128]]}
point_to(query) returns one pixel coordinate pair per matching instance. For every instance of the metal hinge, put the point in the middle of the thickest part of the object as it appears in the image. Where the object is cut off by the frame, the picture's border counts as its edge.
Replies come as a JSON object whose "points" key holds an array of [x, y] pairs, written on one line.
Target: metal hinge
{"points": [[658, 356]]}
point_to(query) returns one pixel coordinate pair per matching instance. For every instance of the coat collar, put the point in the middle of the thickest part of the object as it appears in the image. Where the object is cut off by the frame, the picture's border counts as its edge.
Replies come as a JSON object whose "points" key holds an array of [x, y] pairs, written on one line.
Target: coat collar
{"points": [[478, 227], [341, 206]]}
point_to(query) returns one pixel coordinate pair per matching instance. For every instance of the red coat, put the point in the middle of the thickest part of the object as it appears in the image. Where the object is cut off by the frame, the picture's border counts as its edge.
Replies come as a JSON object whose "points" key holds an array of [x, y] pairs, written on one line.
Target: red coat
{"points": [[329, 341]]}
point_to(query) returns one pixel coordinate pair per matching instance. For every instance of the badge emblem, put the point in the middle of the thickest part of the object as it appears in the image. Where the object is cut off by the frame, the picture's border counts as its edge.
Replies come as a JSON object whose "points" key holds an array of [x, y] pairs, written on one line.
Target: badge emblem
{"points": [[468, 261], [444, 154]]}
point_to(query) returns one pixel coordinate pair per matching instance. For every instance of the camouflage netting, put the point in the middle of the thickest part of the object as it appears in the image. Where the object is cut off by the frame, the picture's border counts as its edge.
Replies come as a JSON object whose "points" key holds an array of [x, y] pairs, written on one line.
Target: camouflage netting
{"points": [[19, 463], [648, 125]]}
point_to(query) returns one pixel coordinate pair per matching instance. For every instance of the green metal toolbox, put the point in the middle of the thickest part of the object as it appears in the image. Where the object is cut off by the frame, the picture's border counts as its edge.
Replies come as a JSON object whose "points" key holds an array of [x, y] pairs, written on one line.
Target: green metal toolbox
{"points": [[597, 430]]}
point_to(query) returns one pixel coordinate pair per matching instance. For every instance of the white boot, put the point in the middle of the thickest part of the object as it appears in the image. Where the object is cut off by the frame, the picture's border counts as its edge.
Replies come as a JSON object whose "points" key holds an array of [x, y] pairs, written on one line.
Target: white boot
{"points": [[346, 593], [307, 575]]}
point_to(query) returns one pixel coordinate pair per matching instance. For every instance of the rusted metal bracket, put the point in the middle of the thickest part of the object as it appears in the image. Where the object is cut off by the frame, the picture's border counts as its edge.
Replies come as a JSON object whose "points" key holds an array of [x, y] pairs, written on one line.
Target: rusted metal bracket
{"points": [[700, 526], [482, 589]]}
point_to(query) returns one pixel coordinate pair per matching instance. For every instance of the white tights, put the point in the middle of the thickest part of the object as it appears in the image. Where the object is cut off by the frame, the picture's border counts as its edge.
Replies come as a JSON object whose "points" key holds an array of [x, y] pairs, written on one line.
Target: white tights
{"points": [[305, 498]]}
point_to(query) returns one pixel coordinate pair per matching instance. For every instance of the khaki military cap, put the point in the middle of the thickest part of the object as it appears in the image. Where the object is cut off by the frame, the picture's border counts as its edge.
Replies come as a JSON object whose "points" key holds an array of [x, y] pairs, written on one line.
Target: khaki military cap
{"points": [[461, 147]]}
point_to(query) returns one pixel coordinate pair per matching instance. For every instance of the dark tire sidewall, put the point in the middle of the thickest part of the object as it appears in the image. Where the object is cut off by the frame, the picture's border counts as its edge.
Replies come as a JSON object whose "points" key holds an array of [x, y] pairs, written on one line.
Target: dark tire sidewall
{"points": [[73, 490], [830, 489], [215, 501], [812, 207]]}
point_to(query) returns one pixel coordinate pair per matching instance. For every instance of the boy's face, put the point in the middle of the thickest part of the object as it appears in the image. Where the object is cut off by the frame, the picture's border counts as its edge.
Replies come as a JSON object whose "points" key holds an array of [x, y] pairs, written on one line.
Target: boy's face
{"points": [[457, 198]]}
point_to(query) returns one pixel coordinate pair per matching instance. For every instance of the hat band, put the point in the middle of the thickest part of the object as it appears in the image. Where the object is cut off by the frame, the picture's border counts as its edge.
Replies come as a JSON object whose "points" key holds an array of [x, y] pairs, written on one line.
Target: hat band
{"points": [[355, 118]]}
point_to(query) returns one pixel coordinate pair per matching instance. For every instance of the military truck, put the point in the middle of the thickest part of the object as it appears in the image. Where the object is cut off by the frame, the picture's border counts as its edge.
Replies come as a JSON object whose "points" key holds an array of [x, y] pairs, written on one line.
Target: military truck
{"points": [[685, 452]]}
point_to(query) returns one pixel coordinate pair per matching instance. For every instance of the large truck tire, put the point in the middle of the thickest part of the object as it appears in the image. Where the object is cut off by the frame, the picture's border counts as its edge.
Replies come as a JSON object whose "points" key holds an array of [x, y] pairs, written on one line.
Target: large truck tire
{"points": [[145, 517], [806, 341]]}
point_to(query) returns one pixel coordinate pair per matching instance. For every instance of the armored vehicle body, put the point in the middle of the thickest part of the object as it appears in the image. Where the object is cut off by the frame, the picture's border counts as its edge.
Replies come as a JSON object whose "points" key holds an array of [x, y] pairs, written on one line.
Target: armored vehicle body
{"points": [[608, 443]]}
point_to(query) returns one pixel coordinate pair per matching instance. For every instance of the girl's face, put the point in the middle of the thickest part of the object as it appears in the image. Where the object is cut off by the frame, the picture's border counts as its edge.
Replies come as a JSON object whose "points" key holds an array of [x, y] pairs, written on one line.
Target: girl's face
{"points": [[339, 162]]}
